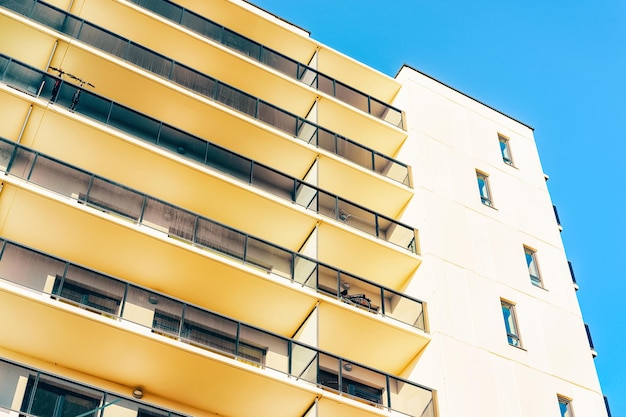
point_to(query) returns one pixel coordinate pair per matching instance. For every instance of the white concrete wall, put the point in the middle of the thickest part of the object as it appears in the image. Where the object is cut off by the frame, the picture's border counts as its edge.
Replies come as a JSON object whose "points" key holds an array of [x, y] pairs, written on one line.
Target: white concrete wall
{"points": [[474, 257]]}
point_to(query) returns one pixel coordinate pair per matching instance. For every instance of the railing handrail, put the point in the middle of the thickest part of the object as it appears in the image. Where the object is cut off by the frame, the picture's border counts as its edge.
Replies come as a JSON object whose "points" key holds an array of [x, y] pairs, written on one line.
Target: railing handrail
{"points": [[297, 126], [139, 220], [377, 232], [300, 67]]}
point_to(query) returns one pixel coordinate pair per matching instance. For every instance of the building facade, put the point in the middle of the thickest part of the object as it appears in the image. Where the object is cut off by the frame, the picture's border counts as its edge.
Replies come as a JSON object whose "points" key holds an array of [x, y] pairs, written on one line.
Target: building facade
{"points": [[206, 212]]}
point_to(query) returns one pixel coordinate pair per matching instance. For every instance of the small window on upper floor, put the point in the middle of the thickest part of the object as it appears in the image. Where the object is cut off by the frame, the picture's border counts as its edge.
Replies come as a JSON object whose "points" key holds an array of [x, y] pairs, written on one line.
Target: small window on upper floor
{"points": [[510, 324], [483, 188], [565, 406], [533, 269], [505, 150]]}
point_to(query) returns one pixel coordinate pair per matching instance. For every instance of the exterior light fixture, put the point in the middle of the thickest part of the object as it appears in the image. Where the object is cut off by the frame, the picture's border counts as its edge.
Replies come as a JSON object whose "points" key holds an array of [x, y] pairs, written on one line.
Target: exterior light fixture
{"points": [[347, 367], [138, 393]]}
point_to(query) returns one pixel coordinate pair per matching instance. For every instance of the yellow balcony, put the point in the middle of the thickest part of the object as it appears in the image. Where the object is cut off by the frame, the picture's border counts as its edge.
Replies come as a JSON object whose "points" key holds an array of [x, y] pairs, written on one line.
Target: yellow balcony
{"points": [[204, 353]]}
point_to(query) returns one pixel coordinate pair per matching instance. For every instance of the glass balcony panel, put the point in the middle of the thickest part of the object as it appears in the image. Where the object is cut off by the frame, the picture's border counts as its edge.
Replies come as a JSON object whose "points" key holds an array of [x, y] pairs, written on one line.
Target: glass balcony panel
{"points": [[306, 196], [85, 102], [403, 309], [273, 182], [210, 331], [229, 163], [352, 97], [193, 80], [23, 78], [304, 362], [21, 163], [357, 217], [220, 238], [328, 281], [4, 63], [305, 272], [102, 39], [355, 153], [279, 62], [308, 132], [327, 205], [410, 399], [6, 153], [114, 199], [326, 84], [391, 169], [363, 384], [260, 348], [21, 6], [14, 380], [183, 144], [168, 10], [386, 113], [29, 268], [236, 99], [201, 25], [149, 60], [269, 258], [168, 219], [396, 233], [56, 19], [239, 43], [277, 118], [154, 311], [91, 290], [134, 123]]}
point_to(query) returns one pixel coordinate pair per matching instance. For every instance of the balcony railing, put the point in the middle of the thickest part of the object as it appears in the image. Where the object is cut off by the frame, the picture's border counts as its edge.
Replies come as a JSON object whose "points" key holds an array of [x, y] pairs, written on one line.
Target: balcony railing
{"points": [[209, 87], [122, 301], [44, 390], [273, 59], [175, 140], [176, 223]]}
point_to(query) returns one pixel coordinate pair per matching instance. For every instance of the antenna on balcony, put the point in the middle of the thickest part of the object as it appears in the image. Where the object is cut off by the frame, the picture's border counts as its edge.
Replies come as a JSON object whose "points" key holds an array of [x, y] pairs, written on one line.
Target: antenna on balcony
{"points": [[57, 82]]}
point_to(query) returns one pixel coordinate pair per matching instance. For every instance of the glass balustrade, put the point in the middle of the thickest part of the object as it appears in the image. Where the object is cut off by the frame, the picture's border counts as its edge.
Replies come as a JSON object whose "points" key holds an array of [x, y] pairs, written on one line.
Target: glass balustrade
{"points": [[209, 87], [174, 222], [166, 316], [157, 133], [273, 59]]}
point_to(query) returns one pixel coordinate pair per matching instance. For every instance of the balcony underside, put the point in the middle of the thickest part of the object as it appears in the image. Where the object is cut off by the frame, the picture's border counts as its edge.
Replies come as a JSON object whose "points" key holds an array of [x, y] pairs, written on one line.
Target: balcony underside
{"points": [[127, 86], [271, 33], [60, 134], [365, 339], [231, 68], [204, 118], [46, 330], [163, 264]]}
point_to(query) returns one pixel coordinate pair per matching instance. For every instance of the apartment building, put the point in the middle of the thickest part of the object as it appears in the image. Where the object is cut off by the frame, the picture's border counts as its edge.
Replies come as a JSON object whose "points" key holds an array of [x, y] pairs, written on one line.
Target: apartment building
{"points": [[206, 212]]}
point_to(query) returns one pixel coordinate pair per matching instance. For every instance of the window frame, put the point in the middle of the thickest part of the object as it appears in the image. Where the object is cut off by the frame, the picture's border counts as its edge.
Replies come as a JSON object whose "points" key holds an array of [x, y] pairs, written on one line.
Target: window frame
{"points": [[511, 326], [567, 403], [505, 152], [530, 255], [485, 190]]}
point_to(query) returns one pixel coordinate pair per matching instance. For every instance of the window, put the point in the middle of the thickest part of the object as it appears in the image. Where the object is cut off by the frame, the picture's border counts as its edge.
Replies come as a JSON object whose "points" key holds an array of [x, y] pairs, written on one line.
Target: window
{"points": [[54, 399], [510, 323], [483, 188], [505, 150], [533, 269], [565, 406]]}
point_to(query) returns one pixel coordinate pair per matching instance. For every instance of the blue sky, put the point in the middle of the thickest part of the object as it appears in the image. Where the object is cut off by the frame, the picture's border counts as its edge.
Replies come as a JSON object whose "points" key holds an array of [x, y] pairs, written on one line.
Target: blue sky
{"points": [[559, 66]]}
